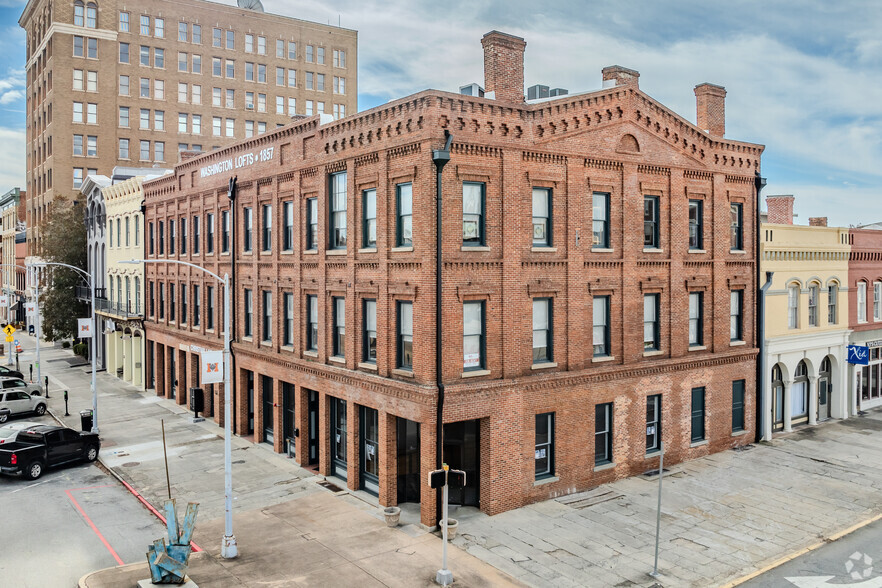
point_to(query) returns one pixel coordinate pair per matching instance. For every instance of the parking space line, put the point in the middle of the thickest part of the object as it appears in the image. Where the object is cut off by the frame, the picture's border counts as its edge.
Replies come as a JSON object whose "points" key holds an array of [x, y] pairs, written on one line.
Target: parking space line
{"points": [[91, 524]]}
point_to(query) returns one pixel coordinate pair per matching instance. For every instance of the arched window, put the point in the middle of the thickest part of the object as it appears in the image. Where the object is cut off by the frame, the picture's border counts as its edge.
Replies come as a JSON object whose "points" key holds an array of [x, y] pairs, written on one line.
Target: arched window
{"points": [[137, 295], [799, 392], [793, 306], [862, 302], [778, 396], [91, 15], [813, 304], [79, 13], [128, 294]]}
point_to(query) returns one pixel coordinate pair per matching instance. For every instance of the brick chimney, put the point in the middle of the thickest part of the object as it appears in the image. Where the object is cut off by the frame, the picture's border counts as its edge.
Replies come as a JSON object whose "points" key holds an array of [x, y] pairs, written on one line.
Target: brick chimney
{"points": [[504, 66], [710, 102], [186, 155], [780, 209], [616, 75], [817, 221]]}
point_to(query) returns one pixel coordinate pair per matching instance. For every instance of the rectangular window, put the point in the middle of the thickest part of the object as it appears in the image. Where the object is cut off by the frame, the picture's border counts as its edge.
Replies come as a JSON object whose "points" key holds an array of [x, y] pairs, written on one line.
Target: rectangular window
{"points": [[339, 85], [280, 48], [183, 61], [249, 72], [473, 194], [404, 216], [216, 126], [124, 86], [369, 214], [697, 415], [862, 302], [288, 319], [230, 68], [91, 81], [209, 307], [78, 83], [225, 231], [145, 55], [216, 37], [171, 237], [183, 304], [144, 88], [793, 306], [144, 119], [216, 69], [544, 445], [292, 50], [877, 301], [161, 238], [172, 310], [161, 300], [338, 211], [145, 25], [158, 58], [653, 423], [320, 55], [261, 73], [152, 239], [124, 22], [92, 48], [736, 309], [601, 331], [473, 335], [541, 217], [145, 151], [405, 336], [310, 52], [543, 333], [339, 58], [696, 227], [320, 82], [737, 220], [197, 34], [228, 123], [311, 322], [196, 125], [267, 227], [338, 304], [696, 318], [832, 297], [78, 48], [77, 112], [247, 226], [369, 350], [230, 101], [267, 316], [280, 76], [77, 144], [209, 232], [292, 106], [249, 43], [651, 334], [650, 223], [738, 405], [195, 235], [231, 39], [249, 312], [151, 299], [311, 224], [310, 84], [77, 177], [92, 146], [159, 90], [603, 433], [182, 32], [197, 64], [159, 28], [159, 151], [292, 78]]}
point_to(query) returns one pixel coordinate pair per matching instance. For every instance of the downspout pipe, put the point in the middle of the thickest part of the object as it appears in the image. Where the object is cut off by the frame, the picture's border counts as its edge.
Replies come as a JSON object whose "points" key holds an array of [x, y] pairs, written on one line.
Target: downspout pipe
{"points": [[231, 193], [440, 157], [759, 183]]}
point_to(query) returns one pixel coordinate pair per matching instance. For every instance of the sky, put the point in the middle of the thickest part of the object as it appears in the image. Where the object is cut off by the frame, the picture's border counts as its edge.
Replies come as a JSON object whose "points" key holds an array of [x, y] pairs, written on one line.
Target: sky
{"points": [[804, 77]]}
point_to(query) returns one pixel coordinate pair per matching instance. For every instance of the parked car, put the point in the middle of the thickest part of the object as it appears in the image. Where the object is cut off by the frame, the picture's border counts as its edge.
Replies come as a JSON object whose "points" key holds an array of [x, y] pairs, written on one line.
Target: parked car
{"points": [[7, 383], [42, 446], [6, 372], [8, 433], [20, 401], [4, 414]]}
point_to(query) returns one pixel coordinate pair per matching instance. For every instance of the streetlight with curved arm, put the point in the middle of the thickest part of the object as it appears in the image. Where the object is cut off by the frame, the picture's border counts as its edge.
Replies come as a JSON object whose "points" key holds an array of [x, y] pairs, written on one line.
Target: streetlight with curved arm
{"points": [[229, 547], [37, 313], [91, 280]]}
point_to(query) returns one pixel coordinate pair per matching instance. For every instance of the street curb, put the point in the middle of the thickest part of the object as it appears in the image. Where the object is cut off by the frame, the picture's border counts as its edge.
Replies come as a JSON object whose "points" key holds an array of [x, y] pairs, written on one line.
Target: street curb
{"points": [[128, 486], [787, 558]]}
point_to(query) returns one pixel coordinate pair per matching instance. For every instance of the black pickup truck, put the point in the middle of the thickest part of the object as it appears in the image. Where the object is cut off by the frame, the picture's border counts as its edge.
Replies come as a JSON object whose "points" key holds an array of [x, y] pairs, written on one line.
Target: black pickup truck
{"points": [[43, 446]]}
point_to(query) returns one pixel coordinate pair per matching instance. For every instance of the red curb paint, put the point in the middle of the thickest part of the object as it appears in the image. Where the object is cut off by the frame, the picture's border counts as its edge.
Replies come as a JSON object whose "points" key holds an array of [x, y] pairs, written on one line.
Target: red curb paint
{"points": [[91, 524]]}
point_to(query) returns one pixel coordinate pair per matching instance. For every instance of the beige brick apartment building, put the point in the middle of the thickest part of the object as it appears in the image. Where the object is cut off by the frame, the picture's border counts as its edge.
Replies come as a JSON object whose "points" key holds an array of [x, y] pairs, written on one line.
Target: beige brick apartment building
{"points": [[114, 83], [598, 285]]}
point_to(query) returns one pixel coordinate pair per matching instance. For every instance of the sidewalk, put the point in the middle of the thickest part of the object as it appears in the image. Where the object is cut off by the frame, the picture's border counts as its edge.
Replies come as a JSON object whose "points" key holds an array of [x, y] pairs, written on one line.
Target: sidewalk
{"points": [[723, 516], [291, 531]]}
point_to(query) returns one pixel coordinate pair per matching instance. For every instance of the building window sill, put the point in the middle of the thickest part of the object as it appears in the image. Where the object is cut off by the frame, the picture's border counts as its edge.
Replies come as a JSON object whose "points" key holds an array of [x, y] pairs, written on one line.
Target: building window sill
{"points": [[543, 249], [407, 249], [652, 353], [697, 347], [335, 252], [368, 366], [697, 251], [249, 339], [653, 250], [605, 466], [249, 252], [336, 359], [310, 354], [543, 366], [403, 373], [601, 250], [738, 252], [739, 433], [546, 480], [289, 348], [286, 252], [475, 248], [698, 443], [266, 343], [737, 343], [310, 252], [652, 454], [603, 359], [368, 250], [475, 373]]}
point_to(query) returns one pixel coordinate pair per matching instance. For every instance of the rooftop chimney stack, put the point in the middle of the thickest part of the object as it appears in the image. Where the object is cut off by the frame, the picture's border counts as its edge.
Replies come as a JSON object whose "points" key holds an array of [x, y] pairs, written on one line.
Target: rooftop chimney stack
{"points": [[616, 75], [710, 103], [504, 66], [780, 209]]}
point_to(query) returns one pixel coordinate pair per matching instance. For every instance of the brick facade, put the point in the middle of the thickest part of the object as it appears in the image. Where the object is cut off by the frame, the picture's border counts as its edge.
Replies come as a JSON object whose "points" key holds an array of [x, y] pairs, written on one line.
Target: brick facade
{"points": [[616, 141]]}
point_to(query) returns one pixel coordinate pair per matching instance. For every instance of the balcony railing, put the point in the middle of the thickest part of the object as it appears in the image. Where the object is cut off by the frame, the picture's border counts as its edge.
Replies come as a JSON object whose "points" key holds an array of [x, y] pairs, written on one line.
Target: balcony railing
{"points": [[120, 309], [83, 293]]}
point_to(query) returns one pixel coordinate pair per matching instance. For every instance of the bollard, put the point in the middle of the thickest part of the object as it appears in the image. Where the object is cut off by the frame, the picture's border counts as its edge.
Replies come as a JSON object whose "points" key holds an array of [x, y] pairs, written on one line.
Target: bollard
{"points": [[31, 371], [46, 380], [65, 404]]}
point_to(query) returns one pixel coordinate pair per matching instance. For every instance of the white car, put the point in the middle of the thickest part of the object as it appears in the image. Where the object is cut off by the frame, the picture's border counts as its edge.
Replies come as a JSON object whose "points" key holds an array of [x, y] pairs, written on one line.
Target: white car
{"points": [[11, 383], [19, 402], [9, 432]]}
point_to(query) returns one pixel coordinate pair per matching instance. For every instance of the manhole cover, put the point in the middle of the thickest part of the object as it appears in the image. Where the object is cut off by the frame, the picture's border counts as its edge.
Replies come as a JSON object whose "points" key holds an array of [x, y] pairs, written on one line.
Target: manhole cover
{"points": [[131, 464]]}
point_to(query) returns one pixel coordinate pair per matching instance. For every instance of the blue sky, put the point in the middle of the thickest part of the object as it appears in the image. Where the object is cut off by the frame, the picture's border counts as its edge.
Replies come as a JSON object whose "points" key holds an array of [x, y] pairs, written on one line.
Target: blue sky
{"points": [[803, 76]]}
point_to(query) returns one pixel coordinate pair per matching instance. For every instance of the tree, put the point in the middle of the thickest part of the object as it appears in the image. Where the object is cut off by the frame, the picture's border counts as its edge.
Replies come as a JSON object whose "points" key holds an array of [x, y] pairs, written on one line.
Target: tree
{"points": [[64, 241]]}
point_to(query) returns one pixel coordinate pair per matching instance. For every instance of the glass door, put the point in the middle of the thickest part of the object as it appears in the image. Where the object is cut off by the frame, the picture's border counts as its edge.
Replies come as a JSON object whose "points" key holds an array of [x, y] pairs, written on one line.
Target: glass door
{"points": [[312, 408], [338, 437], [369, 441], [408, 461], [266, 391], [249, 389], [288, 420]]}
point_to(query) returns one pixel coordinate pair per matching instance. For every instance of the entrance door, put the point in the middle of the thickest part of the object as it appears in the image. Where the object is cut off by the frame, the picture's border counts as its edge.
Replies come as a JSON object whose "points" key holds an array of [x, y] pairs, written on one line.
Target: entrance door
{"points": [[461, 452], [338, 438], [312, 422], [369, 444], [173, 373], [249, 388], [288, 422], [408, 461], [266, 392], [823, 399], [183, 363]]}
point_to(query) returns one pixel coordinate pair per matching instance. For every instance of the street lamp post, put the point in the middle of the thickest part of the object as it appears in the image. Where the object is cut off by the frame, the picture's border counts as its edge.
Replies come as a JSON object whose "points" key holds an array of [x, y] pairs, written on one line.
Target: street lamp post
{"points": [[27, 269], [229, 547], [91, 281]]}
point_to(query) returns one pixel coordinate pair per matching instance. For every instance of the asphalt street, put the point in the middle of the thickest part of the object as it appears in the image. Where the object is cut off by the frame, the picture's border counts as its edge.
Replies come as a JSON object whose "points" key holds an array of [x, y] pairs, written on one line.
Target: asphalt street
{"points": [[854, 560], [73, 520]]}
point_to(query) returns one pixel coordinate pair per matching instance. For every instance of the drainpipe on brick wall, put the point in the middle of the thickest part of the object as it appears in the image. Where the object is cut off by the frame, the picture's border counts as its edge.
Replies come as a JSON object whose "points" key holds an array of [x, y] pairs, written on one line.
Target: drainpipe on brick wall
{"points": [[759, 183], [440, 157], [231, 193]]}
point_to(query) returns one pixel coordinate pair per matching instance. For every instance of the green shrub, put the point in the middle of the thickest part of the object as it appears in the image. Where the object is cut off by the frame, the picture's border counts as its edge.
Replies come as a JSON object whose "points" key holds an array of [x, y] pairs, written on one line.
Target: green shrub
{"points": [[81, 349], [65, 344]]}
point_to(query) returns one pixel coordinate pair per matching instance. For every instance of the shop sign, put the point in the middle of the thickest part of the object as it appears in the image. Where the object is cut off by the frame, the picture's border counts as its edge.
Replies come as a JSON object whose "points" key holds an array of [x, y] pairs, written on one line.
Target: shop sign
{"points": [[238, 162], [858, 355]]}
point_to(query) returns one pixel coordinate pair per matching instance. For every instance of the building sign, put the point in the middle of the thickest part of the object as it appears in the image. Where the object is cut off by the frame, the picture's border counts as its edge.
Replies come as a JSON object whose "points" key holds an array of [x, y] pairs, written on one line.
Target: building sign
{"points": [[212, 367], [876, 343], [84, 328], [30, 308], [472, 360], [240, 161], [858, 355], [4, 300]]}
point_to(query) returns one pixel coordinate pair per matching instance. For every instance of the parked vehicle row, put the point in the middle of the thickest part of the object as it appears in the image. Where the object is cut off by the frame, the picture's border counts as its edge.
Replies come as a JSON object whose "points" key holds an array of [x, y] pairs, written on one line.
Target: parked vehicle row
{"points": [[40, 446]]}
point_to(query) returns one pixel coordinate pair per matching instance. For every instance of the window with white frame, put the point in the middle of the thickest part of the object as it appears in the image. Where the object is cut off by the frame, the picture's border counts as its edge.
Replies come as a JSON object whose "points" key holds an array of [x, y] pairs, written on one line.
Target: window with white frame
{"points": [[696, 318], [832, 298], [542, 331], [813, 293], [862, 302], [793, 306]]}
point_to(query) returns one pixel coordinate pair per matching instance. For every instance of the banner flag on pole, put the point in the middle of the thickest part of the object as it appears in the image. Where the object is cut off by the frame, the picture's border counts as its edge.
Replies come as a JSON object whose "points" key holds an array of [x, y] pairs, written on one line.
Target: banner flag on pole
{"points": [[212, 367], [84, 328]]}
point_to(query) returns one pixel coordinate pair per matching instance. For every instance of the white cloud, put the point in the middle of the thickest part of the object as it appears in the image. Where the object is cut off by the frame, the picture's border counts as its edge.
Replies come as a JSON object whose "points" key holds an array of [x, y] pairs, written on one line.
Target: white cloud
{"points": [[12, 164]]}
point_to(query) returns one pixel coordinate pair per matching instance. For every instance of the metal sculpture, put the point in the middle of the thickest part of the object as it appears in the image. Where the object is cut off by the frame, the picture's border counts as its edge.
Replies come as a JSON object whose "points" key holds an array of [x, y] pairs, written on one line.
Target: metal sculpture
{"points": [[168, 562]]}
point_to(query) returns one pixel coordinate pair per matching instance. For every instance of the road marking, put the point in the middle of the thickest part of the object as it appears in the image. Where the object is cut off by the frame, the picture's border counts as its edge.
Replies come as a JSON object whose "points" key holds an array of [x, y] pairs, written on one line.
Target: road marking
{"points": [[91, 524], [26, 487]]}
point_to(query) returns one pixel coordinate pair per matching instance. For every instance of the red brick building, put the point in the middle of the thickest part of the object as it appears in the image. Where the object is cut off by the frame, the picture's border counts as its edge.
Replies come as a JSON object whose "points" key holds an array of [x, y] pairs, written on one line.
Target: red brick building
{"points": [[598, 286], [865, 317]]}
